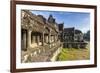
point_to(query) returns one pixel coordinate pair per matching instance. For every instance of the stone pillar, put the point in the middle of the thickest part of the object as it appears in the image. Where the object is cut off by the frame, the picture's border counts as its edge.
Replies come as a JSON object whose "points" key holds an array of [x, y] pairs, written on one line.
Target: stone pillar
{"points": [[57, 37], [38, 40], [28, 38], [54, 38], [49, 38], [24, 40], [43, 39], [46, 39]]}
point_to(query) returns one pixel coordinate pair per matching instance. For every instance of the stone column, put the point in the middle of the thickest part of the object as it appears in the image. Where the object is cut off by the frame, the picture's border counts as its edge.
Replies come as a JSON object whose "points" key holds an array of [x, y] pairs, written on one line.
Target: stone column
{"points": [[54, 38], [57, 37], [49, 38], [46, 39], [43, 39], [24, 40], [29, 38], [38, 40]]}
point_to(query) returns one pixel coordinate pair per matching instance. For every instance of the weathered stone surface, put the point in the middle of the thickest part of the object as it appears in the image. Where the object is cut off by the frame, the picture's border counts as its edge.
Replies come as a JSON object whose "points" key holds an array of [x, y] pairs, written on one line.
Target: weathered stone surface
{"points": [[42, 38]]}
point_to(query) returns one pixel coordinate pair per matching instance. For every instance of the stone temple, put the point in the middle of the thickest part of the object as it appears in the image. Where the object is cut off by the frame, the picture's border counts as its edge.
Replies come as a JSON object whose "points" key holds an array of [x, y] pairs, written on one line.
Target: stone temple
{"points": [[42, 39]]}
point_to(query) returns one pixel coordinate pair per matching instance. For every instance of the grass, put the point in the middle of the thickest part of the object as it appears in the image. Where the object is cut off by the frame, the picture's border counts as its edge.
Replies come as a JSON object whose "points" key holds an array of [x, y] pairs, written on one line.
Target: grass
{"points": [[73, 54]]}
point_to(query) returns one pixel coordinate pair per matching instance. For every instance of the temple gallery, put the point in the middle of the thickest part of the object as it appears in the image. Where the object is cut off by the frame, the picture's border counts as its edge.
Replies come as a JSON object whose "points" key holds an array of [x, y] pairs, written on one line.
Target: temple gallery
{"points": [[43, 39]]}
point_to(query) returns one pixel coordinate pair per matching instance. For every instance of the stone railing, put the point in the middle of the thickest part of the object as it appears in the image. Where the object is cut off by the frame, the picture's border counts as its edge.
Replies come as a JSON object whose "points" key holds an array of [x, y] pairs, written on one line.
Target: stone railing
{"points": [[41, 53]]}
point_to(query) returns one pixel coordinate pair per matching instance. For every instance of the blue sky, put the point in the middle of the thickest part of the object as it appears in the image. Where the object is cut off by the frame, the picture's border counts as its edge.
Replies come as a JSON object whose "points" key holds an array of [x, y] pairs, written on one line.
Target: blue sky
{"points": [[78, 20]]}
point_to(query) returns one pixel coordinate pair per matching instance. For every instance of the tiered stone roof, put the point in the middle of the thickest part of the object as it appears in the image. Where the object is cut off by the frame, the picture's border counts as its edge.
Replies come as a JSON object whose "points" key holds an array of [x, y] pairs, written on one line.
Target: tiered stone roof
{"points": [[37, 23]]}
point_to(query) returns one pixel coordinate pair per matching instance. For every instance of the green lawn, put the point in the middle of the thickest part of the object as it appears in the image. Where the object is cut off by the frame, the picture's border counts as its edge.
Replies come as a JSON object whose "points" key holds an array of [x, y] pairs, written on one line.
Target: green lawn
{"points": [[73, 54]]}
